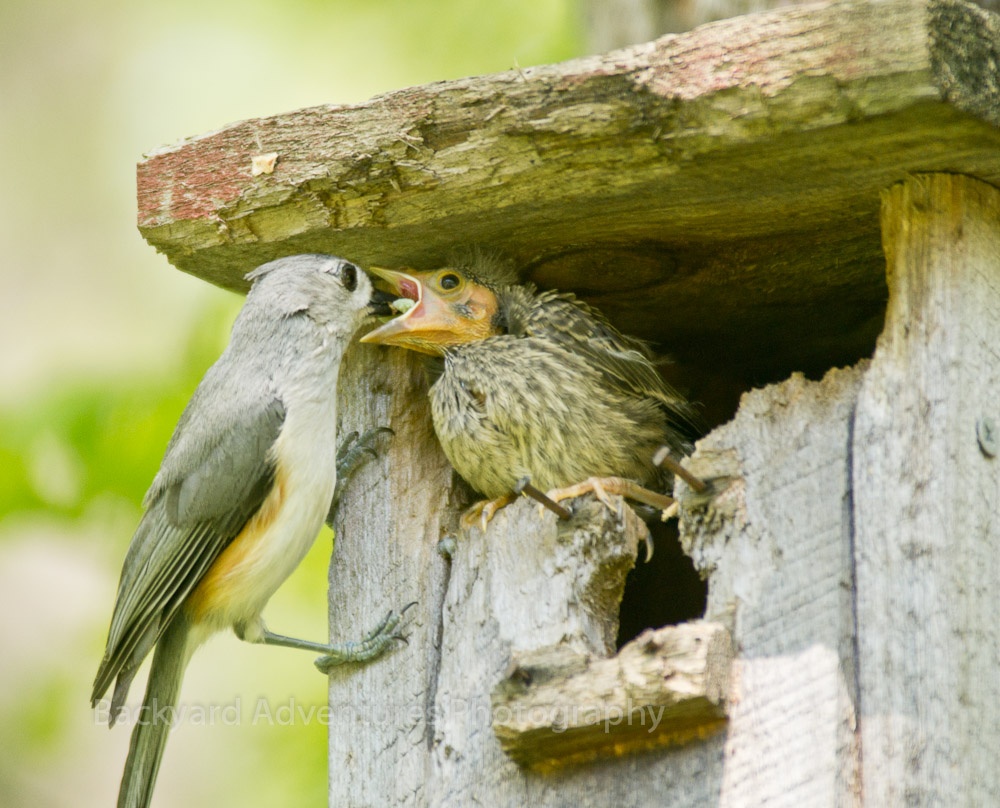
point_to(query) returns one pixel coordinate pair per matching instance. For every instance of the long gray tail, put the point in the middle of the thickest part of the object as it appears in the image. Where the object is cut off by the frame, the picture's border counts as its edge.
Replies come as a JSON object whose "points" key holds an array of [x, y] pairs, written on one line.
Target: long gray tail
{"points": [[149, 737]]}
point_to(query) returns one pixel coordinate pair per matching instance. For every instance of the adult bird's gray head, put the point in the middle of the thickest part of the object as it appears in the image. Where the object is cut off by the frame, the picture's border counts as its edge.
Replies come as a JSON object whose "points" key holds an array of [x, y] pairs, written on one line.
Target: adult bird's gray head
{"points": [[243, 490], [330, 292]]}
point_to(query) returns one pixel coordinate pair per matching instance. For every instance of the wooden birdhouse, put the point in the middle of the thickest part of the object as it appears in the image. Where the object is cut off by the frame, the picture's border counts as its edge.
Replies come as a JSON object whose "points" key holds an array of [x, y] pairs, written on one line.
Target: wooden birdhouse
{"points": [[802, 209]]}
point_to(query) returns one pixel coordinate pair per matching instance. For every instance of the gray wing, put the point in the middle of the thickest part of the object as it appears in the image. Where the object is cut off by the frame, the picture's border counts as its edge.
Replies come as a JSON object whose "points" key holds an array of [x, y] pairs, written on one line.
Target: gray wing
{"points": [[216, 473]]}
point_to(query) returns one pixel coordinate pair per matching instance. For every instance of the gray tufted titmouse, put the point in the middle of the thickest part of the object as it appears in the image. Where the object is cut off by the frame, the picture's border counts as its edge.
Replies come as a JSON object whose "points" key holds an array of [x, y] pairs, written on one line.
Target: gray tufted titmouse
{"points": [[245, 485]]}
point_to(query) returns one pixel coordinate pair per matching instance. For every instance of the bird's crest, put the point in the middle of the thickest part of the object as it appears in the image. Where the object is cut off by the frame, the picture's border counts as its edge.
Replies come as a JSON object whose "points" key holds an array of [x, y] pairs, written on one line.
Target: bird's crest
{"points": [[485, 265]]}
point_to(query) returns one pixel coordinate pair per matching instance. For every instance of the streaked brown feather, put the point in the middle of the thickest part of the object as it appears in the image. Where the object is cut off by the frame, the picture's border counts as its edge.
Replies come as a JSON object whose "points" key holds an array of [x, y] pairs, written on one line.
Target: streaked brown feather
{"points": [[557, 394]]}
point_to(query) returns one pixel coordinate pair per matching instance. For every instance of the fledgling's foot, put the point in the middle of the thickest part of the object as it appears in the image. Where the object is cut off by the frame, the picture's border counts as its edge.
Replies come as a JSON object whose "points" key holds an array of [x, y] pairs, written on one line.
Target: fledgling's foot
{"points": [[376, 642], [480, 514], [603, 487], [352, 454]]}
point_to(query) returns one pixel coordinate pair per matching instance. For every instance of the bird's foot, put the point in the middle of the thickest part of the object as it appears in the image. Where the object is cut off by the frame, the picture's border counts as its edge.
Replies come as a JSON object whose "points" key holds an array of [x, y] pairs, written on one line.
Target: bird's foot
{"points": [[600, 487], [603, 487], [480, 514], [354, 451], [352, 454], [376, 642]]}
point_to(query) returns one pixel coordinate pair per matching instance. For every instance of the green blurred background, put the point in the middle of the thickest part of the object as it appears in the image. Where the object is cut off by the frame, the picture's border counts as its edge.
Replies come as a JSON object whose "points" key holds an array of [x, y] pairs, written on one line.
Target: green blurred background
{"points": [[103, 342]]}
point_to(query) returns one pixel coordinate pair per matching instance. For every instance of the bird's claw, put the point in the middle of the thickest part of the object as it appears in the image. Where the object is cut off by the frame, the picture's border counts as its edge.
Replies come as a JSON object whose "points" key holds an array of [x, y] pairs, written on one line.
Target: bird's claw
{"points": [[375, 643], [472, 515], [352, 450], [599, 486], [352, 454], [488, 512], [480, 514]]}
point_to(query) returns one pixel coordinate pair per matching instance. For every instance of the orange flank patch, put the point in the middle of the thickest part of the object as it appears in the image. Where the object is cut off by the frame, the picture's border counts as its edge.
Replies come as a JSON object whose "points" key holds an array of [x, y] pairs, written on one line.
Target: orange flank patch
{"points": [[213, 596]]}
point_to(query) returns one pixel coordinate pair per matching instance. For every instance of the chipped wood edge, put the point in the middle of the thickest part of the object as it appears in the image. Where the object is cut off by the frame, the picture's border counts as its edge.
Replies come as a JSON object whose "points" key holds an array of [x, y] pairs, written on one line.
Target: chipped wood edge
{"points": [[668, 686]]}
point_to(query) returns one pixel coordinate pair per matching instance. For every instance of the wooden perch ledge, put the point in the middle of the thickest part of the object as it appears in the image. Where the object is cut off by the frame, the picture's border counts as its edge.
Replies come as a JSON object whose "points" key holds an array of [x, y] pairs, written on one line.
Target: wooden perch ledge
{"points": [[732, 174], [556, 707]]}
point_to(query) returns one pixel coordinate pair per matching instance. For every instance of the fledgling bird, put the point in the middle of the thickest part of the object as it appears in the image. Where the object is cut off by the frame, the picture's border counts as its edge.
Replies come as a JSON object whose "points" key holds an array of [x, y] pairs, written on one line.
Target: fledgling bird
{"points": [[244, 488], [535, 385]]}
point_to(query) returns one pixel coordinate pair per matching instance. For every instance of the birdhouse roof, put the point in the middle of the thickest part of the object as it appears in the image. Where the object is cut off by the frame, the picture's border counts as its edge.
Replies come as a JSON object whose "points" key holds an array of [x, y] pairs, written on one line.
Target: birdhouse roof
{"points": [[716, 191]]}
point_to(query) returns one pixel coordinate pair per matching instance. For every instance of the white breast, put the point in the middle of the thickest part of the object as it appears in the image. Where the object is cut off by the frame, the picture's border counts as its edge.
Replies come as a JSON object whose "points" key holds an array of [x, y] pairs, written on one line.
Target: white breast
{"points": [[306, 472]]}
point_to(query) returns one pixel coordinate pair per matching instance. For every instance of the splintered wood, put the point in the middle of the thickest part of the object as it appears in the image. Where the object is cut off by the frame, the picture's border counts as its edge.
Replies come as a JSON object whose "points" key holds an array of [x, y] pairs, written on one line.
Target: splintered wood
{"points": [[668, 686]]}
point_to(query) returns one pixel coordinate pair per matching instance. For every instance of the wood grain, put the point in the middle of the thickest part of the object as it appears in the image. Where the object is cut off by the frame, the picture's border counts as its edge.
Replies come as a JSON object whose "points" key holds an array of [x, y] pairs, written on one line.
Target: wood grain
{"points": [[927, 503]]}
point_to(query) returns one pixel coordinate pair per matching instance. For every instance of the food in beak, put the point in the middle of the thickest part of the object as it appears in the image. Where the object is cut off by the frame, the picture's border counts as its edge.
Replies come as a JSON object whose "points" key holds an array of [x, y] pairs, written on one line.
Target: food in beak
{"points": [[402, 305]]}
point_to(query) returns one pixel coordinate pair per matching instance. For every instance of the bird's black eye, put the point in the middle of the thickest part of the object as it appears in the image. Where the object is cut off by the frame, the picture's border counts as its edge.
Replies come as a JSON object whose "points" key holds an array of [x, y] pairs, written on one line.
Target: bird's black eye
{"points": [[349, 277], [450, 281]]}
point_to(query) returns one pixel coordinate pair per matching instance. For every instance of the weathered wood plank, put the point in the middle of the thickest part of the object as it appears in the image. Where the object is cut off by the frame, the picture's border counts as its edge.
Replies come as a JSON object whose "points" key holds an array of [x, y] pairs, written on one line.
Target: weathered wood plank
{"points": [[530, 583], [387, 529], [731, 173], [668, 686], [777, 542], [927, 500]]}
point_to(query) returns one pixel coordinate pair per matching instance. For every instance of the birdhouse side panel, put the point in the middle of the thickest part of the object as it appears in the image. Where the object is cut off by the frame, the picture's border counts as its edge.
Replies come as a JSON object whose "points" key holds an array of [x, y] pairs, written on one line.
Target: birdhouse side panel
{"points": [[776, 545]]}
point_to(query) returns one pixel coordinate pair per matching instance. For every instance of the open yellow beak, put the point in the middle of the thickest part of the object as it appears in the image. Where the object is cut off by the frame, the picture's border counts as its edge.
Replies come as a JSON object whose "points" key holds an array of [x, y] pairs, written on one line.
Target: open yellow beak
{"points": [[426, 327]]}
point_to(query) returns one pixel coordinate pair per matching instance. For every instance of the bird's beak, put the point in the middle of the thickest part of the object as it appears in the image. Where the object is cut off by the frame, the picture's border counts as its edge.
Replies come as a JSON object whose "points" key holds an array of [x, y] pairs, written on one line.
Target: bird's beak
{"points": [[379, 303], [424, 327]]}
